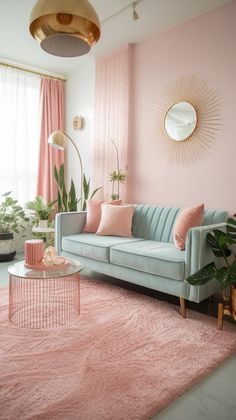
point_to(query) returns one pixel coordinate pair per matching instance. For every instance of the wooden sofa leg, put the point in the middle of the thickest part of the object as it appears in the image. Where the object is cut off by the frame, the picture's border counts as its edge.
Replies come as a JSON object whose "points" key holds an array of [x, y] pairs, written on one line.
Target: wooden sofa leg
{"points": [[182, 307]]}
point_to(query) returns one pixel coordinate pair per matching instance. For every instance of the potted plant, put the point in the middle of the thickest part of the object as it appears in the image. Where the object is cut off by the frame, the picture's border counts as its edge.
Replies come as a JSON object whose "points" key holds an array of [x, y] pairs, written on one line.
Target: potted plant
{"points": [[42, 210], [12, 219], [116, 177], [67, 201], [222, 245]]}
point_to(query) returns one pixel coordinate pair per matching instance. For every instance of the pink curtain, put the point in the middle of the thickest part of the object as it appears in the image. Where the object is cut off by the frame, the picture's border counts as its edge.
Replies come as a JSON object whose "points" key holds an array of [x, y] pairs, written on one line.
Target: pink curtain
{"points": [[112, 117], [52, 119]]}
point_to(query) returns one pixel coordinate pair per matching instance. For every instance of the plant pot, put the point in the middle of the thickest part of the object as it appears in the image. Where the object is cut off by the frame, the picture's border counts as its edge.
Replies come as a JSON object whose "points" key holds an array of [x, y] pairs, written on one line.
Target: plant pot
{"points": [[7, 247], [43, 224], [233, 300]]}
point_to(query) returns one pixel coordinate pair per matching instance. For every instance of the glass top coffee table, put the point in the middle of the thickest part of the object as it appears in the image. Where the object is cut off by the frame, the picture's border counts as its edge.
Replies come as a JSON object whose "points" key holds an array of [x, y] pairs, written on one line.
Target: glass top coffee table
{"points": [[44, 299]]}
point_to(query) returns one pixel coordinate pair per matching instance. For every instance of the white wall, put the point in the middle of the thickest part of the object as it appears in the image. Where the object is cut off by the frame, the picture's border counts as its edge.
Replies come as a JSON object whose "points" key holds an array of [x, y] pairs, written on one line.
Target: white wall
{"points": [[80, 101]]}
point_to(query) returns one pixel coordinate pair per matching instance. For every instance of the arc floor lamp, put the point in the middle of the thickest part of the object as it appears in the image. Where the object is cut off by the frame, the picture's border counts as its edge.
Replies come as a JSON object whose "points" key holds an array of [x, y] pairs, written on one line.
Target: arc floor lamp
{"points": [[59, 140]]}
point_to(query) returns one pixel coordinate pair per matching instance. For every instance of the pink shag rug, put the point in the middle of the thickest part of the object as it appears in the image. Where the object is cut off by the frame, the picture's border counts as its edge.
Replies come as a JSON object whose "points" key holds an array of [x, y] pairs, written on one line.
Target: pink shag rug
{"points": [[127, 357]]}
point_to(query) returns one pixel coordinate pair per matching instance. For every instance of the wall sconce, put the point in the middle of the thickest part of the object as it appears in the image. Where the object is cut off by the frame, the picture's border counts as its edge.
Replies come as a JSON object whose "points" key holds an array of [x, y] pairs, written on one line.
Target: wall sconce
{"points": [[78, 123]]}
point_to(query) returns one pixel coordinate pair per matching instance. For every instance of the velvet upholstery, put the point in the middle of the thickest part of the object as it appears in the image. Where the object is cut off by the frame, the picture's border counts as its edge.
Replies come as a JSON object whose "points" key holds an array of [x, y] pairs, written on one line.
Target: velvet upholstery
{"points": [[150, 258], [93, 246], [161, 258]]}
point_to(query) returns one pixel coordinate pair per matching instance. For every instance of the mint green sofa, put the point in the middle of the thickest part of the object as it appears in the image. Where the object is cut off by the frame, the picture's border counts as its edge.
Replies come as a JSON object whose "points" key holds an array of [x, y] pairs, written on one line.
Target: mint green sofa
{"points": [[149, 258]]}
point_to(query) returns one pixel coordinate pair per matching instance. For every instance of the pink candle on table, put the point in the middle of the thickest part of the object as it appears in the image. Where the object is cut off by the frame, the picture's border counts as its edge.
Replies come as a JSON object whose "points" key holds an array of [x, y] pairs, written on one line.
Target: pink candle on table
{"points": [[34, 251]]}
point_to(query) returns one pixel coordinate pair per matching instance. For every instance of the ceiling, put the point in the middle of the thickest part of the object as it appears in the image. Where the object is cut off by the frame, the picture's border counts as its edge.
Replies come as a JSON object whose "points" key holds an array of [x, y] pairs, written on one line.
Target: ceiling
{"points": [[117, 28]]}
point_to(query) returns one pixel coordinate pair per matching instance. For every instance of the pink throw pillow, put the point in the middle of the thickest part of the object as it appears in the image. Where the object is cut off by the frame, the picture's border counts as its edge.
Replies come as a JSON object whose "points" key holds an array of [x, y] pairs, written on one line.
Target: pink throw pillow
{"points": [[188, 218], [94, 212], [116, 220]]}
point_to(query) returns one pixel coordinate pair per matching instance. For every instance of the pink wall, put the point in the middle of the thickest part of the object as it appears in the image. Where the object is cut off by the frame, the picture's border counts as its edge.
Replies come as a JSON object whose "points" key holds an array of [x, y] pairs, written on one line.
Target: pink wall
{"points": [[205, 47]]}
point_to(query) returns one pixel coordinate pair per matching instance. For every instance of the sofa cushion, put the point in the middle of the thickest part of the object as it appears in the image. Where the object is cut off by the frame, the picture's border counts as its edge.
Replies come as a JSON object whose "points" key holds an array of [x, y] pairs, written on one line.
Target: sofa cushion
{"points": [[188, 218], [94, 212], [116, 220], [159, 258], [156, 223], [93, 246]]}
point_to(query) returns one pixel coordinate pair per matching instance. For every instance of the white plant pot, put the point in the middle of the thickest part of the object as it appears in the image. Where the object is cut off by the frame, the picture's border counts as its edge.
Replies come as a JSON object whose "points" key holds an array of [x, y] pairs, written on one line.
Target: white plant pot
{"points": [[43, 224]]}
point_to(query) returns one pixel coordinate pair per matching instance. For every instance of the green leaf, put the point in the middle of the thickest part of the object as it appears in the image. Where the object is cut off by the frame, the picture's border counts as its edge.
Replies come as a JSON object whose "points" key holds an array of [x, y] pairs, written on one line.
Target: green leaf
{"points": [[227, 275], [65, 202], [218, 243], [232, 274], [231, 227], [72, 201], [72, 191], [86, 190], [121, 177], [59, 202], [6, 194], [115, 197], [12, 215], [95, 191], [42, 210], [56, 174], [61, 180], [114, 176], [222, 276], [203, 275], [86, 185]]}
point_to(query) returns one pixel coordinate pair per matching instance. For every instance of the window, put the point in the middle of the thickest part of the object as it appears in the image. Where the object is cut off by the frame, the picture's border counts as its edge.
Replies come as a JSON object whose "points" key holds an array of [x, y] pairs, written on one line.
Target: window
{"points": [[19, 133]]}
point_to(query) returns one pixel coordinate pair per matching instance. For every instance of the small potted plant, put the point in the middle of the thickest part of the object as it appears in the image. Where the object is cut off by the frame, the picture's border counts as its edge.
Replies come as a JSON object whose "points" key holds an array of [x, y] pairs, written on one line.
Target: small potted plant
{"points": [[222, 245], [12, 219], [42, 211], [116, 177]]}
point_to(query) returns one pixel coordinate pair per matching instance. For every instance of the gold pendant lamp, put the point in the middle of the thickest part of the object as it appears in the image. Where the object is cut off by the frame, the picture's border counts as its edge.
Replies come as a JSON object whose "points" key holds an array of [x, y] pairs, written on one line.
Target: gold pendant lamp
{"points": [[65, 28]]}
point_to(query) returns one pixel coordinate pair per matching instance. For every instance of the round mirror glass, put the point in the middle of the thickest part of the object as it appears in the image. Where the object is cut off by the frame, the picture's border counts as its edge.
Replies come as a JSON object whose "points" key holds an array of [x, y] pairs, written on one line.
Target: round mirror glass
{"points": [[180, 121]]}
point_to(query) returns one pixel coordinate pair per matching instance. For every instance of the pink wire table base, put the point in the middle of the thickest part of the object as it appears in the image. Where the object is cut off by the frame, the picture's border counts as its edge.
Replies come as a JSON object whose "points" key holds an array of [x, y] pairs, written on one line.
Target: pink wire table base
{"points": [[44, 299]]}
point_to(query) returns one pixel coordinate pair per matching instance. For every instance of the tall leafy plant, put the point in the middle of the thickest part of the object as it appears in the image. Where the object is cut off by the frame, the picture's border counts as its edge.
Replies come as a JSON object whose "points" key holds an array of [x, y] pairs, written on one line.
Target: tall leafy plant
{"points": [[222, 245], [12, 215], [67, 200], [86, 191]]}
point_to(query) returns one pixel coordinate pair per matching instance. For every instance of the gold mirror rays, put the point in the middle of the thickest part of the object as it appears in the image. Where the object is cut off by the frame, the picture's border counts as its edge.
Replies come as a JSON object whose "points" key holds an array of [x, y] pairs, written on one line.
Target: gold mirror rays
{"points": [[206, 106]]}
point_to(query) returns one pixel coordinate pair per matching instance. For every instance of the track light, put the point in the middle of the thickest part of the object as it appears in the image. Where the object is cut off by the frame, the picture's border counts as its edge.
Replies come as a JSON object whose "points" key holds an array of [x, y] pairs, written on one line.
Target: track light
{"points": [[135, 13]]}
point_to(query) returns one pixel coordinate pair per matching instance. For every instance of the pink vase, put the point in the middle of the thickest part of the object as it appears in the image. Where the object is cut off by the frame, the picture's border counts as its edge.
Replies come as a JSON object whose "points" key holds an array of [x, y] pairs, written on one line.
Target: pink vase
{"points": [[34, 251]]}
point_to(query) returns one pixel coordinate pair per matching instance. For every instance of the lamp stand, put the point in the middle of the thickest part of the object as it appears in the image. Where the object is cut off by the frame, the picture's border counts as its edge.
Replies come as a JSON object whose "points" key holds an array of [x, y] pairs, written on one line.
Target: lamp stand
{"points": [[81, 166]]}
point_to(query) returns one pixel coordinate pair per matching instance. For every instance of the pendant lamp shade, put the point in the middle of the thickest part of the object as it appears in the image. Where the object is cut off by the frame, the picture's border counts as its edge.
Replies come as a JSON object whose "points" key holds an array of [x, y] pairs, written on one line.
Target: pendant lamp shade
{"points": [[65, 28]]}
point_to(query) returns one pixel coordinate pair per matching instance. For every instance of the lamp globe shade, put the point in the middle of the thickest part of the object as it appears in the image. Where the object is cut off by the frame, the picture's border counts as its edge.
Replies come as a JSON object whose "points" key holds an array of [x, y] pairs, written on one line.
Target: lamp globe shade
{"points": [[58, 140]]}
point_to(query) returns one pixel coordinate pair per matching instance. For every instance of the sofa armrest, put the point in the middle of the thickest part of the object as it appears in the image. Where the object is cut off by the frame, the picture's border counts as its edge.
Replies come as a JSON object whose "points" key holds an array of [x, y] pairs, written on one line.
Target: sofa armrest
{"points": [[198, 253], [68, 224]]}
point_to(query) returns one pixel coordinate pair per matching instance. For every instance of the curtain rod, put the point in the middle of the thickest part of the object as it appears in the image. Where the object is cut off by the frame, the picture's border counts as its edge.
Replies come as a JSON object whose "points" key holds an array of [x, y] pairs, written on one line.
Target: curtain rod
{"points": [[32, 71]]}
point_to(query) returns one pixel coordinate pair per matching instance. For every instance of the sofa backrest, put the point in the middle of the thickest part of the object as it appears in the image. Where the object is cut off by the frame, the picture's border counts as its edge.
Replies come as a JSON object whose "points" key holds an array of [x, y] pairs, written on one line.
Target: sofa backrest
{"points": [[156, 223]]}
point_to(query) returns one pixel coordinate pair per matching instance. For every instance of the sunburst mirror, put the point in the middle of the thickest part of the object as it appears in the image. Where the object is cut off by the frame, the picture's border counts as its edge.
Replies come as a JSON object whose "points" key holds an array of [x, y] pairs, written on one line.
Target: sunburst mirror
{"points": [[188, 119]]}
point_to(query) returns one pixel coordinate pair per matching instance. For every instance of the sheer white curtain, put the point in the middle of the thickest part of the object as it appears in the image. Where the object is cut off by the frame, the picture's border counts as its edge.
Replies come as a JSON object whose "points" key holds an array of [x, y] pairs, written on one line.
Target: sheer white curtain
{"points": [[19, 133]]}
